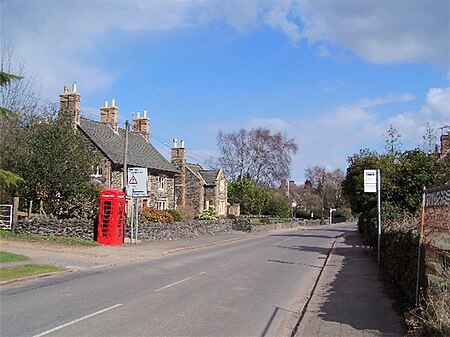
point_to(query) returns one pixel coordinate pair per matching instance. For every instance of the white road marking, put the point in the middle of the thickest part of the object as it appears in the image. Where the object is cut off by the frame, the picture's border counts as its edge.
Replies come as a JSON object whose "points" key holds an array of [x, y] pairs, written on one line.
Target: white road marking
{"points": [[276, 244], [77, 320], [178, 282]]}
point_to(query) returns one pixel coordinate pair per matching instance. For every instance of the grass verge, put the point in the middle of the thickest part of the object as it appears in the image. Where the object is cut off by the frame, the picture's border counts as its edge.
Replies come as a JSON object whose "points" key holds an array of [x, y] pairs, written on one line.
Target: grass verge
{"points": [[10, 257], [12, 273], [57, 239]]}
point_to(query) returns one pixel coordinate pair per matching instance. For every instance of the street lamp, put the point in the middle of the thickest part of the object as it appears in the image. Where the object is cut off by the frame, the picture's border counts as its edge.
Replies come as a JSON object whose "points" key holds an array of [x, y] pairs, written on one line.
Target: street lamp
{"points": [[294, 204]]}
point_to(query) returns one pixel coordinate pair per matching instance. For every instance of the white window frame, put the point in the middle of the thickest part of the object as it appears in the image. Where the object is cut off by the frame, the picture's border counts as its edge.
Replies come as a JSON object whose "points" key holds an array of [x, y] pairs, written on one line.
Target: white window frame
{"points": [[161, 183], [222, 207], [161, 205]]}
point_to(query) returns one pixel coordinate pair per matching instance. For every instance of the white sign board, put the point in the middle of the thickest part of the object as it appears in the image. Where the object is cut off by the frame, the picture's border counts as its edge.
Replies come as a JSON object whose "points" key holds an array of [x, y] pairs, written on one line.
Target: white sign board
{"points": [[137, 181], [370, 181]]}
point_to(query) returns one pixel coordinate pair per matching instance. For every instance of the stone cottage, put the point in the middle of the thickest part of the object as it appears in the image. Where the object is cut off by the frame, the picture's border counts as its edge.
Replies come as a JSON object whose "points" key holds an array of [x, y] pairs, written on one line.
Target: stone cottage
{"points": [[197, 187], [108, 140]]}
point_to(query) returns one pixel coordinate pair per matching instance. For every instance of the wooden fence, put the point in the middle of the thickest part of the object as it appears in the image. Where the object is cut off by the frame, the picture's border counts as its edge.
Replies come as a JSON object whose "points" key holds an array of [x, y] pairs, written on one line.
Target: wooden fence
{"points": [[436, 233]]}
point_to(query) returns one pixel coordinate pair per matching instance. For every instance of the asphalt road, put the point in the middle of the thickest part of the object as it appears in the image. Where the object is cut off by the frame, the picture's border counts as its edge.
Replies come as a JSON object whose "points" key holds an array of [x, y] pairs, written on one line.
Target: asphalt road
{"points": [[253, 287]]}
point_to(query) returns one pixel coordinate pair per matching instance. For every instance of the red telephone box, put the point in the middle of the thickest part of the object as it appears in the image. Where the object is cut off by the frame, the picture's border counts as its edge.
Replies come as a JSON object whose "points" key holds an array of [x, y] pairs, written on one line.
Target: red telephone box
{"points": [[111, 218]]}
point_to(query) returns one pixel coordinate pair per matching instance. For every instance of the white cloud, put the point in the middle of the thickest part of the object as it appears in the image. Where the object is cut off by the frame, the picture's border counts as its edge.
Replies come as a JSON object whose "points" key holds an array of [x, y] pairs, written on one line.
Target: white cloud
{"points": [[382, 31], [438, 104], [58, 39], [274, 124]]}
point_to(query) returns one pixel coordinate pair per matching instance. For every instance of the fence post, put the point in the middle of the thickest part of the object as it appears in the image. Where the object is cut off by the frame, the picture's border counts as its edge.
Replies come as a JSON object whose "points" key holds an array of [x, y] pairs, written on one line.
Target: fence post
{"points": [[15, 215]]}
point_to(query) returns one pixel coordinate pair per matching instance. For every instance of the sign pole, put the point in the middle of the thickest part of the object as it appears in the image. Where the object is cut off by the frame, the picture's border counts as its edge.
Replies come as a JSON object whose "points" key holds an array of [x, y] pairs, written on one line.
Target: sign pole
{"points": [[379, 214], [137, 218], [419, 253], [132, 220]]}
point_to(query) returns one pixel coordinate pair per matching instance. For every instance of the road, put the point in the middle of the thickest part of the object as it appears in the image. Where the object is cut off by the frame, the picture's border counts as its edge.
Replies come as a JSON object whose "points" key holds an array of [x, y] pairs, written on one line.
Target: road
{"points": [[253, 287]]}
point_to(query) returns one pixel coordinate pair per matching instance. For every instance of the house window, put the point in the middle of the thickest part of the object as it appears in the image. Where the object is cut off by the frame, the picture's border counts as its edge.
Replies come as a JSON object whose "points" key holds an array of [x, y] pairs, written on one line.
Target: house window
{"points": [[161, 183], [222, 208], [161, 204], [97, 172], [222, 185]]}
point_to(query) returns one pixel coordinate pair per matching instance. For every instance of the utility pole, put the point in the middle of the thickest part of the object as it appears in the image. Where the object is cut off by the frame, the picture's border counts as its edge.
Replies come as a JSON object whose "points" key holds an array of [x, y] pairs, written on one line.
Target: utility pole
{"points": [[125, 158]]}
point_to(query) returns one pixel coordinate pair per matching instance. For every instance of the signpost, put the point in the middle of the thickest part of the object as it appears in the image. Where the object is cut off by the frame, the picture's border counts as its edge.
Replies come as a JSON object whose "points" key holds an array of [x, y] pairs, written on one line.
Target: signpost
{"points": [[331, 215], [372, 184], [137, 182]]}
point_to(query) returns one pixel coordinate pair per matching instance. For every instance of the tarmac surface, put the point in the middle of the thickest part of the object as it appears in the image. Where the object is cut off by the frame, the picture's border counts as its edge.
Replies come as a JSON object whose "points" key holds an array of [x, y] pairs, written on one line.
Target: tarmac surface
{"points": [[348, 299]]}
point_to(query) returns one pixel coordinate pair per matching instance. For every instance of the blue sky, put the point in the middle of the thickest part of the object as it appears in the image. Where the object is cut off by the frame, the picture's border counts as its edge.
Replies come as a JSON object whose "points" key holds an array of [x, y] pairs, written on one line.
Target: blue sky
{"points": [[331, 74]]}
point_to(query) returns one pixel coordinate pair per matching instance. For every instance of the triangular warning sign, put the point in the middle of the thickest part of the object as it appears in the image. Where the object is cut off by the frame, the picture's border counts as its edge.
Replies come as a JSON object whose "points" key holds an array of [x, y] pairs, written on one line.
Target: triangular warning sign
{"points": [[132, 181]]}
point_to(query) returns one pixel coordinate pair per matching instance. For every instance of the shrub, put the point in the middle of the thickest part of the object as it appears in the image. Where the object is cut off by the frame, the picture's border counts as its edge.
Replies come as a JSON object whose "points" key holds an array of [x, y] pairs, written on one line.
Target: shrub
{"points": [[208, 214], [150, 214], [187, 212], [432, 317], [176, 215]]}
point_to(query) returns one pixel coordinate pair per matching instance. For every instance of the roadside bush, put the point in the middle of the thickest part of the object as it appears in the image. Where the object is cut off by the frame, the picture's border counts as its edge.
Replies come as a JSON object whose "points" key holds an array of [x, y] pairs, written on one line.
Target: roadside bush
{"points": [[209, 214], [368, 227], [432, 317], [150, 214], [399, 249], [187, 212], [176, 215]]}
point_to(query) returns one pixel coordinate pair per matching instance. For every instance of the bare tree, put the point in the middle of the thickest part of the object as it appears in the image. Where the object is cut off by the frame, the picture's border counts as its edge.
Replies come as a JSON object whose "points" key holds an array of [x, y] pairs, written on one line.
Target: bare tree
{"points": [[327, 185], [257, 154], [22, 96], [393, 142], [429, 139]]}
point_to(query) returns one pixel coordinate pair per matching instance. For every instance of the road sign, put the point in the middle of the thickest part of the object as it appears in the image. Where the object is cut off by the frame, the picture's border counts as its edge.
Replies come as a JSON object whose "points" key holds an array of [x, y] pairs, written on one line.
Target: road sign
{"points": [[137, 181], [370, 181]]}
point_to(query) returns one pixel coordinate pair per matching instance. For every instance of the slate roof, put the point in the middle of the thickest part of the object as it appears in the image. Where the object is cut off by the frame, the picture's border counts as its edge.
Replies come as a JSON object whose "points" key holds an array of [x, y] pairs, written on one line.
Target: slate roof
{"points": [[111, 144], [208, 176]]}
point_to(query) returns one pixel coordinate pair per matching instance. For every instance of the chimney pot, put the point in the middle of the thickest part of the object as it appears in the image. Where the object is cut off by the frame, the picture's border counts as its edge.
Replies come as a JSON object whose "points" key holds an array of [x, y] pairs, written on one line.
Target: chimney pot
{"points": [[174, 143], [138, 114], [74, 87], [106, 104], [66, 89], [182, 144], [113, 102], [145, 113]]}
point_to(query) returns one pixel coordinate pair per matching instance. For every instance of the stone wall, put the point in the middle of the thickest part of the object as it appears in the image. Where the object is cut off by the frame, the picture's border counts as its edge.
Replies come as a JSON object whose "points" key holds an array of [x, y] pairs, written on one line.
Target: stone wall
{"points": [[84, 229], [182, 230], [48, 226], [245, 225]]}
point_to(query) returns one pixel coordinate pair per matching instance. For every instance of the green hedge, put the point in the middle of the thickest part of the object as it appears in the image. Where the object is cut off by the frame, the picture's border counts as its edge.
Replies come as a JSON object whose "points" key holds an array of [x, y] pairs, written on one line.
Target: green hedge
{"points": [[399, 252]]}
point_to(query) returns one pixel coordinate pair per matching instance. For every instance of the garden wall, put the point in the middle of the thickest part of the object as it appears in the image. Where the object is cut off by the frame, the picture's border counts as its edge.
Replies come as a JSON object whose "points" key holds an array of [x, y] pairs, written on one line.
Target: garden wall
{"points": [[84, 229], [47, 226]]}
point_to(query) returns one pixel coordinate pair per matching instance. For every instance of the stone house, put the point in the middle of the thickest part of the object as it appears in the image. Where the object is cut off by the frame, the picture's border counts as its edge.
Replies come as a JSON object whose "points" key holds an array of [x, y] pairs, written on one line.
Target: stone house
{"points": [[445, 146], [197, 187], [108, 140]]}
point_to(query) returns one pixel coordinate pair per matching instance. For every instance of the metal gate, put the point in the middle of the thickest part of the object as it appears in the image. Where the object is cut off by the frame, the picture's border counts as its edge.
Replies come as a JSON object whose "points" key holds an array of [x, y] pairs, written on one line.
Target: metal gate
{"points": [[6, 216]]}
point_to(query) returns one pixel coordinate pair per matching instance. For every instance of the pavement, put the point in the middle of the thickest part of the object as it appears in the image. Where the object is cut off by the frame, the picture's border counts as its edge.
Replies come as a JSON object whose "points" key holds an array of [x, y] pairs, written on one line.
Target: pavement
{"points": [[349, 298]]}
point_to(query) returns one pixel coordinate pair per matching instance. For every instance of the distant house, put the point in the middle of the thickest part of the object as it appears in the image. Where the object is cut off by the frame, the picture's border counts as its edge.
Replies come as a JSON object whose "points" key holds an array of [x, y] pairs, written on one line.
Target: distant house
{"points": [[196, 187], [445, 146], [108, 140]]}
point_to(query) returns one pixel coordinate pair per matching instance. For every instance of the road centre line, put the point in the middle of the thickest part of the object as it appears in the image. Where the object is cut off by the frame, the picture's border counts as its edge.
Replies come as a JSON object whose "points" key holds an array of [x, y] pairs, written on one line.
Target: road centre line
{"points": [[77, 320], [178, 282], [276, 244]]}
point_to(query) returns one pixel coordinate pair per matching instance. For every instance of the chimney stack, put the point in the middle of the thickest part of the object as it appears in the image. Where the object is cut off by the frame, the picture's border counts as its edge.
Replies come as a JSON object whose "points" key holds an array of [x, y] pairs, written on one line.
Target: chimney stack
{"points": [[109, 115], [178, 160], [141, 125], [445, 143], [69, 102]]}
